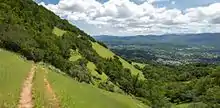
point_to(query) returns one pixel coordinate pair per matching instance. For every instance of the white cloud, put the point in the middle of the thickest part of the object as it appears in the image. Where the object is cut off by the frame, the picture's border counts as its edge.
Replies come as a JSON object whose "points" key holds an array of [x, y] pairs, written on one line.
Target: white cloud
{"points": [[153, 1], [120, 17]]}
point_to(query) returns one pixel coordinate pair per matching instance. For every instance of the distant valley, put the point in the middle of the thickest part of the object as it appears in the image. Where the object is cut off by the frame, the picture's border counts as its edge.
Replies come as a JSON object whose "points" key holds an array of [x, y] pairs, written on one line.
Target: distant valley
{"points": [[167, 49]]}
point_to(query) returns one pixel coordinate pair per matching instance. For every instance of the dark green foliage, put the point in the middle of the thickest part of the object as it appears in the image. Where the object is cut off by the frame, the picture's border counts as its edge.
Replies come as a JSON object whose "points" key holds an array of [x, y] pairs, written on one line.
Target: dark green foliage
{"points": [[193, 83], [106, 86], [98, 70], [137, 67]]}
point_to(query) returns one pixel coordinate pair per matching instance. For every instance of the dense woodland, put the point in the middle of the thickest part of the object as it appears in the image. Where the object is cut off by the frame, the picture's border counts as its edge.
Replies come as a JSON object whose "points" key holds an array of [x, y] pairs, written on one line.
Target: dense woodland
{"points": [[197, 84], [26, 28]]}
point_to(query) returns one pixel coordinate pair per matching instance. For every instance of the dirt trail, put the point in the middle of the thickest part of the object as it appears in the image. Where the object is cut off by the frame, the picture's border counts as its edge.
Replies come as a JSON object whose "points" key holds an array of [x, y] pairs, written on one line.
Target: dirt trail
{"points": [[26, 93], [53, 99]]}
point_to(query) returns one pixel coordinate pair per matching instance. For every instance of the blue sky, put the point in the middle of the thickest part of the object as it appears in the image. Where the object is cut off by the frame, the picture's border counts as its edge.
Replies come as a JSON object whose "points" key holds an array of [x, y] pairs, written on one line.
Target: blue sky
{"points": [[181, 4], [124, 17]]}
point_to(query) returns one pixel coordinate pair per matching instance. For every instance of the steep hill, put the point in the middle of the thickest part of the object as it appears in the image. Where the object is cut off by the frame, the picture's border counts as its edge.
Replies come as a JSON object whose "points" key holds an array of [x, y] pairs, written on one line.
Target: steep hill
{"points": [[39, 35], [69, 93], [64, 54]]}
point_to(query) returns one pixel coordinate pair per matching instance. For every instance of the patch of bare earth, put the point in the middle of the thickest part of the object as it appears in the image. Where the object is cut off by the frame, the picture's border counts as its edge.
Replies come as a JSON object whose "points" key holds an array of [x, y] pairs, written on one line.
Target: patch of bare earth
{"points": [[26, 93], [54, 103]]}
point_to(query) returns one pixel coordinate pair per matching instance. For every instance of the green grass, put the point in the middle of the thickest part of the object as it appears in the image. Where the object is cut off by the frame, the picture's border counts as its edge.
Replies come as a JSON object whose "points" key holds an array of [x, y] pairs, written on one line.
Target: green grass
{"points": [[104, 78], [13, 71], [38, 88], [134, 71], [92, 68], [77, 95], [41, 96], [106, 53], [58, 31], [125, 99], [180, 106], [75, 55], [141, 65], [102, 51]]}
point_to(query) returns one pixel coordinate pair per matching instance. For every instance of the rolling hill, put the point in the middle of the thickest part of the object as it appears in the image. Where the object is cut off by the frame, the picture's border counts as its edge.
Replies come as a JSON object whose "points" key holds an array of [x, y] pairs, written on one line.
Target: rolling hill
{"points": [[69, 92], [47, 62], [38, 35]]}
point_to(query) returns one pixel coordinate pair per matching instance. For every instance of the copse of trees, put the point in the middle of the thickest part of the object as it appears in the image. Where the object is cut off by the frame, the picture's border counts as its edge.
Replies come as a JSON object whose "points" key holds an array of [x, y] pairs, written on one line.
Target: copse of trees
{"points": [[189, 83]]}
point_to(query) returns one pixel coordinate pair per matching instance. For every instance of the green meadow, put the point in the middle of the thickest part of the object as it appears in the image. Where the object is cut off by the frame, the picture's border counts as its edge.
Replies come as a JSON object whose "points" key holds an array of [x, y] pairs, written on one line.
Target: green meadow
{"points": [[13, 71], [58, 31], [92, 68], [75, 55], [78, 95], [106, 53], [134, 71], [102, 51]]}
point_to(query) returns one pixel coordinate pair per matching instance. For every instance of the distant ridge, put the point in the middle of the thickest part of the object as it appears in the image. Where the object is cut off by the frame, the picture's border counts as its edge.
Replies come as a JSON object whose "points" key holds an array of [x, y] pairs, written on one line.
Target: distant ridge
{"points": [[181, 34]]}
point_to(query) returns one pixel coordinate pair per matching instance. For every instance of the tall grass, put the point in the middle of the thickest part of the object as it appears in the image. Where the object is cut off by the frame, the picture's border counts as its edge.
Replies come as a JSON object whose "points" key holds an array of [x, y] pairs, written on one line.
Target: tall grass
{"points": [[39, 90], [13, 71], [77, 95], [102, 51]]}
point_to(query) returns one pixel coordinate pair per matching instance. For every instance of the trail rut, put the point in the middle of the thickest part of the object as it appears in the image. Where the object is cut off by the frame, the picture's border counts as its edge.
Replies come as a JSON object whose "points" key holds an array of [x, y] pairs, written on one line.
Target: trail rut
{"points": [[53, 99], [26, 92]]}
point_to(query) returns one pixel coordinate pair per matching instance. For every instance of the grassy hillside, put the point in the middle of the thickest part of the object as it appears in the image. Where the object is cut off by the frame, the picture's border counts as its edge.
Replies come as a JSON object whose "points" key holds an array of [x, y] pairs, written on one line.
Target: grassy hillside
{"points": [[70, 92], [58, 31], [39, 35], [83, 96], [13, 70], [134, 71], [132, 103], [92, 68], [75, 55], [106, 53], [102, 51]]}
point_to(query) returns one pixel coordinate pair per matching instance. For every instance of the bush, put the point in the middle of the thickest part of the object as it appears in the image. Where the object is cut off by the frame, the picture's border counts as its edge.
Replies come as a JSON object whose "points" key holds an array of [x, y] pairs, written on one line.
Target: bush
{"points": [[106, 86]]}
